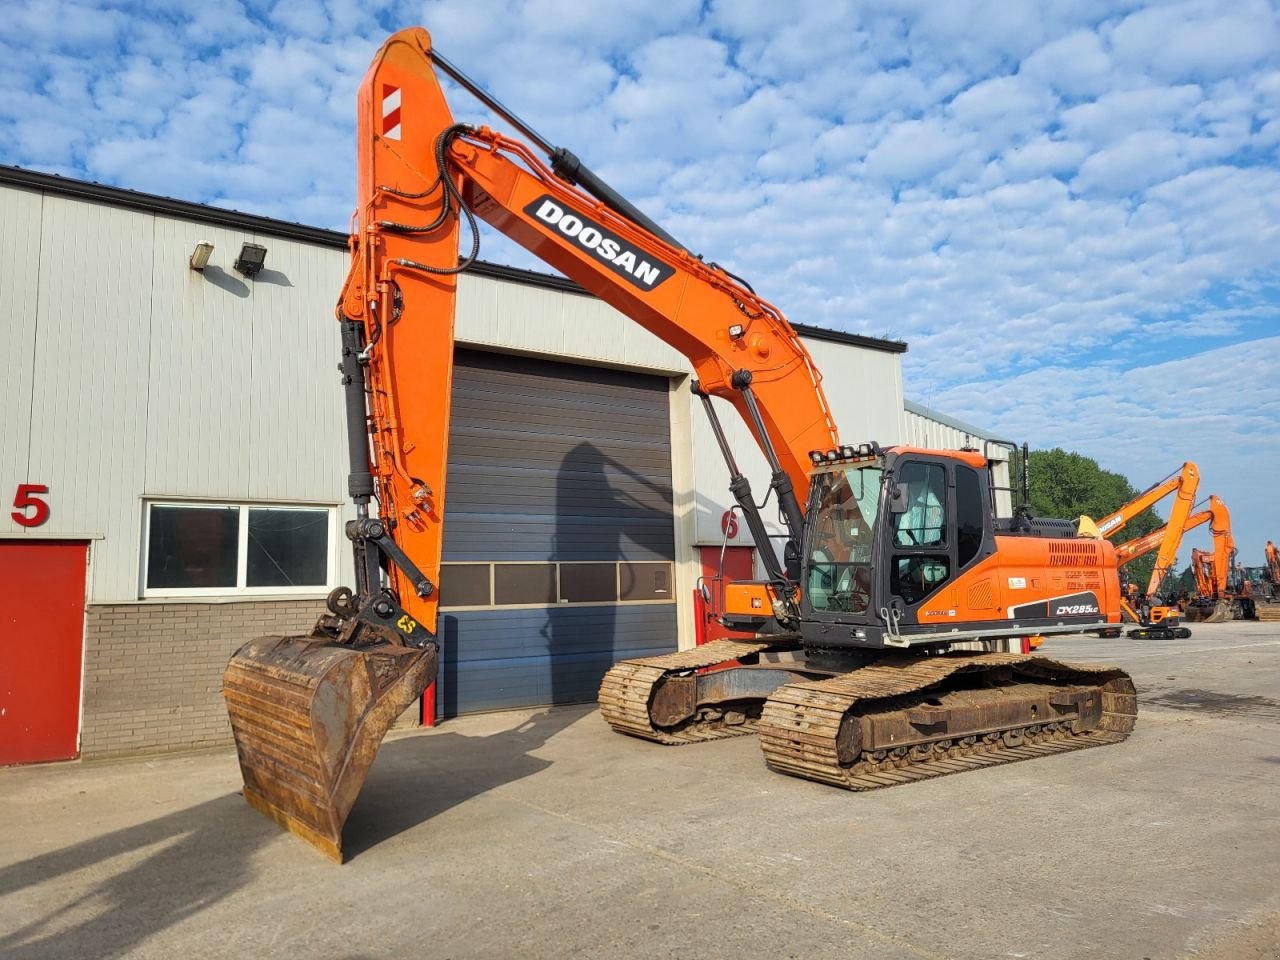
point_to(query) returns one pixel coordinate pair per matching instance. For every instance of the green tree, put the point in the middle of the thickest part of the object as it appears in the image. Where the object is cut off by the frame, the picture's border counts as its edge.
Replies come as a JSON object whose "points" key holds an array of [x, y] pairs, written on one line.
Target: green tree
{"points": [[1184, 581], [1068, 485]]}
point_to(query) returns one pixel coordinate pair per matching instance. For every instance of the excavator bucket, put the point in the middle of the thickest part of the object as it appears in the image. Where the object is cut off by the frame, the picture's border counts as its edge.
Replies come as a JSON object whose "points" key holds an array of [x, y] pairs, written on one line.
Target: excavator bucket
{"points": [[308, 716], [1221, 612]]}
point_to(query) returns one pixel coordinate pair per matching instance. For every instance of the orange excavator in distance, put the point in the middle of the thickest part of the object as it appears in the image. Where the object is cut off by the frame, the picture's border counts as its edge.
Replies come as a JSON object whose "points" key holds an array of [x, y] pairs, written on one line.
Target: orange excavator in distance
{"points": [[1161, 621], [1154, 620], [894, 558], [1221, 594]]}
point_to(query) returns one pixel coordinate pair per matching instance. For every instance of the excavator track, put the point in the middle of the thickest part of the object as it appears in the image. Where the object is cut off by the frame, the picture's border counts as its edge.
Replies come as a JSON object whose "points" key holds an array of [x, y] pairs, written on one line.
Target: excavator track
{"points": [[887, 723], [628, 688]]}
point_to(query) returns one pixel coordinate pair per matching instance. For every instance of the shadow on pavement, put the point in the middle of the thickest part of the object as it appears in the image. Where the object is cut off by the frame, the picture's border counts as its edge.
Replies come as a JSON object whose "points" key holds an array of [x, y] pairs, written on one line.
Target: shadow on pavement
{"points": [[417, 778], [205, 852], [204, 856]]}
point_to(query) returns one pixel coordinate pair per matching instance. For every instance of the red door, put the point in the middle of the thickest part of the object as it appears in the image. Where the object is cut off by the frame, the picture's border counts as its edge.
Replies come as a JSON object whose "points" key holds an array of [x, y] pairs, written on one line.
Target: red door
{"points": [[41, 649]]}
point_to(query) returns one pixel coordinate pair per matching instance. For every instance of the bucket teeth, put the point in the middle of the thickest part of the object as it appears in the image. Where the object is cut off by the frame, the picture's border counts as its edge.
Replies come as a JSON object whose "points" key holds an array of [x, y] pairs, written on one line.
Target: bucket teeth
{"points": [[308, 717]]}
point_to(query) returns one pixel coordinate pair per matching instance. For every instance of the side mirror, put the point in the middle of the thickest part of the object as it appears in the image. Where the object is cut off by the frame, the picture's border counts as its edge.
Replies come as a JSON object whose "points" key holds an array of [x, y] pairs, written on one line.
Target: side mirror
{"points": [[706, 594], [898, 499]]}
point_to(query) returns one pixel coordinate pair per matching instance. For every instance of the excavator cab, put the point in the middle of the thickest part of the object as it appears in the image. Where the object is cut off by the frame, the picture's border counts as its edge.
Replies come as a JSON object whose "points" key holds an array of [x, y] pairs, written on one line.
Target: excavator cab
{"points": [[889, 532]]}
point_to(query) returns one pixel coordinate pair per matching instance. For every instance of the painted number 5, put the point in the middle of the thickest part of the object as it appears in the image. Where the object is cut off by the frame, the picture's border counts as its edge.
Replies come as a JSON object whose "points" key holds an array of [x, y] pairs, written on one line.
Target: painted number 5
{"points": [[28, 498]]}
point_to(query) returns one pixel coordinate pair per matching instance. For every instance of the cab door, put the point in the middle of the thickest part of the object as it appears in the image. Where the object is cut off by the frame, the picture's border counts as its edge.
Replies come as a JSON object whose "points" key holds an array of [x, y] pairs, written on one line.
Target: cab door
{"points": [[939, 526], [921, 533]]}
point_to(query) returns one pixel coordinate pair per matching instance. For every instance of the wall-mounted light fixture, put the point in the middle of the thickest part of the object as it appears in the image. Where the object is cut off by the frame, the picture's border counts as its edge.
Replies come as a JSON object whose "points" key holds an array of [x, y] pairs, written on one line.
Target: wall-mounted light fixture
{"points": [[252, 257], [200, 256]]}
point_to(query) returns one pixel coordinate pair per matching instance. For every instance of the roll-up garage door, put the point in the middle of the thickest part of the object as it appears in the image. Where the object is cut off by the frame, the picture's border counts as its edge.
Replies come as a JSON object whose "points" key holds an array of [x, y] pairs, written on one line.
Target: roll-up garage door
{"points": [[559, 540]]}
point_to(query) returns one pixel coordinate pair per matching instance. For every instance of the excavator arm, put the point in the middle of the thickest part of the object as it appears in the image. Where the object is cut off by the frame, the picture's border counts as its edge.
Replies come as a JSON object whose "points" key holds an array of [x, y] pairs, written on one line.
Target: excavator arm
{"points": [[308, 713], [1183, 483], [1184, 480], [1131, 550], [419, 175]]}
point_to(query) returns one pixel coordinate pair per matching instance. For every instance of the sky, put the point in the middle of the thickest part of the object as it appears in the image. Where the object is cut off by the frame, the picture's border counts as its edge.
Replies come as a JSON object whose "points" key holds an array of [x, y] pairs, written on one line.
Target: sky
{"points": [[1070, 210]]}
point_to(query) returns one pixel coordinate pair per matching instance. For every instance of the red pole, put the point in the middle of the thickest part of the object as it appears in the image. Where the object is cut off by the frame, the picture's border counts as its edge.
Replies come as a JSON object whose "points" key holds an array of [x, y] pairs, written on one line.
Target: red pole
{"points": [[699, 619], [429, 705]]}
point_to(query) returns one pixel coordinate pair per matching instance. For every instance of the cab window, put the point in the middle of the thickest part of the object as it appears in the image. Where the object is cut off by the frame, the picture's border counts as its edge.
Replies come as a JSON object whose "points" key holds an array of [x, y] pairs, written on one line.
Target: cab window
{"points": [[843, 519], [924, 522], [970, 513]]}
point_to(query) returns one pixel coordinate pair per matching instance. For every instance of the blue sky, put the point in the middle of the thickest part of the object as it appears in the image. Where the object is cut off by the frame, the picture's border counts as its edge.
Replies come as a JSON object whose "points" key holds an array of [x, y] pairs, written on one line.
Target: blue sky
{"points": [[1070, 210]]}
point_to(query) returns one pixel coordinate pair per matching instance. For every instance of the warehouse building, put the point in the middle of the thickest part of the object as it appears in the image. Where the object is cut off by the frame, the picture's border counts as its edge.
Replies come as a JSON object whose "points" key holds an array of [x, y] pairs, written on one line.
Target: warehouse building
{"points": [[173, 450]]}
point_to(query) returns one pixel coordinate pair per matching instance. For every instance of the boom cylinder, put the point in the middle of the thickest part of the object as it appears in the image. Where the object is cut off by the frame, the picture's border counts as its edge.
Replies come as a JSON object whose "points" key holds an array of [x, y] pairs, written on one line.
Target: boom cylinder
{"points": [[781, 481], [360, 478], [740, 487]]}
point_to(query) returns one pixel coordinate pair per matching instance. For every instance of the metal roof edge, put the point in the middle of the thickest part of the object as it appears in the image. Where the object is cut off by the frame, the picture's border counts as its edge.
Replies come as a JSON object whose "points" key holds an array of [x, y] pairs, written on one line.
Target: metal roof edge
{"points": [[920, 410], [288, 230], [850, 339]]}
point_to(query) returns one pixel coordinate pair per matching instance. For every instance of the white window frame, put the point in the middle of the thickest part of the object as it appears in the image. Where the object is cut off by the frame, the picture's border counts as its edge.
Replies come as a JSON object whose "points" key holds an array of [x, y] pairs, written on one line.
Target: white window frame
{"points": [[240, 590]]}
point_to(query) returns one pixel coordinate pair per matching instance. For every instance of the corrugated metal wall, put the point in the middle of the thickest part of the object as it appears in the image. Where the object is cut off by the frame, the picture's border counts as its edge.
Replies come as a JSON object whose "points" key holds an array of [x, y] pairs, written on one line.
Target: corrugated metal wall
{"points": [[19, 285], [135, 376]]}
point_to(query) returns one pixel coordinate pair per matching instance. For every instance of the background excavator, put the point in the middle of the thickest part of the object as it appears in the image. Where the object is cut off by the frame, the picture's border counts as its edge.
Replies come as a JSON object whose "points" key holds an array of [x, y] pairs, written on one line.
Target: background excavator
{"points": [[1271, 572], [1221, 592], [1154, 620], [894, 558]]}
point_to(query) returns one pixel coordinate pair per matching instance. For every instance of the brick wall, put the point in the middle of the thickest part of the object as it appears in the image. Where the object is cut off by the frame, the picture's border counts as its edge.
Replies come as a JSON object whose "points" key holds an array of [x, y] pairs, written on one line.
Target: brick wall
{"points": [[153, 671]]}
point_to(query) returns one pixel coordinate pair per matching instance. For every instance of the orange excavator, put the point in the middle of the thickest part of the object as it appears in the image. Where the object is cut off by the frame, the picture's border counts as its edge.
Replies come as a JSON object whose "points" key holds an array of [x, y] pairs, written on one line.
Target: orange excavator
{"points": [[1266, 579], [1154, 620], [1126, 553], [881, 629], [1220, 593]]}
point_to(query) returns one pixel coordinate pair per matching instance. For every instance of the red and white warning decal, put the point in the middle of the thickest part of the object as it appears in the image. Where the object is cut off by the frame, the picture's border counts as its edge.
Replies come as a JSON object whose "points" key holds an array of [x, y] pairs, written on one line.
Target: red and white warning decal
{"points": [[390, 112]]}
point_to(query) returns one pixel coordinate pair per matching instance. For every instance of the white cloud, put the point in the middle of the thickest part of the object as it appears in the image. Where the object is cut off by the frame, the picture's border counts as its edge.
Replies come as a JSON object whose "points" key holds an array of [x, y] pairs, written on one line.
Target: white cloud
{"points": [[1196, 39], [915, 150], [1076, 65], [1138, 161]]}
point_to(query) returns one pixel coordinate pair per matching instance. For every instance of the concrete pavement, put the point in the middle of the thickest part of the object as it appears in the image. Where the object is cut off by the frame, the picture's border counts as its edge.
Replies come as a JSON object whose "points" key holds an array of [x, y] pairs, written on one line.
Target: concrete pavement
{"points": [[543, 834]]}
